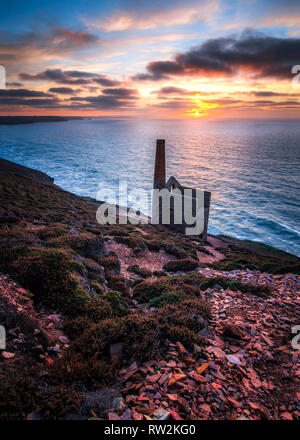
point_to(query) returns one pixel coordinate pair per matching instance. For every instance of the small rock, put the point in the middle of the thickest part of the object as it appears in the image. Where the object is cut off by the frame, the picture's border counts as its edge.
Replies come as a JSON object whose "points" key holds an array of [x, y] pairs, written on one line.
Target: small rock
{"points": [[119, 404], [63, 339], [233, 359], [7, 355], [233, 331], [115, 351], [33, 416], [161, 414]]}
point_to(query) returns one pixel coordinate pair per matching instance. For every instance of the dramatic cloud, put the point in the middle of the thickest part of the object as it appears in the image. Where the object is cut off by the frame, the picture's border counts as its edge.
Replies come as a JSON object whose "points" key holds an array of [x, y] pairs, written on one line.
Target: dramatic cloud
{"points": [[64, 38], [49, 44], [19, 102], [62, 90], [267, 93], [55, 75], [14, 84], [103, 102], [252, 52], [172, 91], [121, 93], [106, 82], [111, 98], [177, 91], [69, 77], [23, 93]]}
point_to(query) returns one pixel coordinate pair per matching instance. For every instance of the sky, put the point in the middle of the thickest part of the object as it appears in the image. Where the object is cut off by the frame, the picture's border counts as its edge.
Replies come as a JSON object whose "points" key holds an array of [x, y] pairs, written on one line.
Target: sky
{"points": [[151, 59]]}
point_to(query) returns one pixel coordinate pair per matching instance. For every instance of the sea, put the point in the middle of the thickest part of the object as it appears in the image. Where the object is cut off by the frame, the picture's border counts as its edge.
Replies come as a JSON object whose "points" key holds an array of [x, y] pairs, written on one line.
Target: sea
{"points": [[252, 168]]}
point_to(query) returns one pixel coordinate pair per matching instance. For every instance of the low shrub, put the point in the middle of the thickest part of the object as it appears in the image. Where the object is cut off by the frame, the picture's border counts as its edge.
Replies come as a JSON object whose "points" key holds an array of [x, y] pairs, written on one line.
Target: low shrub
{"points": [[52, 231], [158, 273], [142, 272], [183, 265], [225, 283], [175, 250], [138, 334], [153, 245], [204, 283], [47, 273], [164, 289], [111, 263], [56, 403], [118, 283], [86, 244], [74, 367], [17, 392], [278, 269], [132, 242]]}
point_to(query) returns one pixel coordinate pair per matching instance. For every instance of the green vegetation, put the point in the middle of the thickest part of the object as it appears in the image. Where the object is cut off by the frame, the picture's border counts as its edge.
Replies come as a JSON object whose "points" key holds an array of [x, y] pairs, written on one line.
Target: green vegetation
{"points": [[184, 265], [142, 272]]}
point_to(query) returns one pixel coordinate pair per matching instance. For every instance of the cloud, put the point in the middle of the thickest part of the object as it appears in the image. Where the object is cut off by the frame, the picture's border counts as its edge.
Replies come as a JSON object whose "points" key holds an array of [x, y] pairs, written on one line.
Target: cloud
{"points": [[52, 43], [17, 102], [103, 102], [62, 90], [144, 20], [79, 74], [65, 38], [264, 103], [14, 84], [55, 75], [23, 93], [75, 77], [251, 52], [106, 82], [121, 92], [267, 93], [121, 98], [177, 91], [285, 14]]}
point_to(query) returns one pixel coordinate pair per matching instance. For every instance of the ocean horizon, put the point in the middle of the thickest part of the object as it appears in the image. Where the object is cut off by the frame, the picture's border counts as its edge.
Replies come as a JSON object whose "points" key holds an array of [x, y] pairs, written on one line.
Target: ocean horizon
{"points": [[250, 166]]}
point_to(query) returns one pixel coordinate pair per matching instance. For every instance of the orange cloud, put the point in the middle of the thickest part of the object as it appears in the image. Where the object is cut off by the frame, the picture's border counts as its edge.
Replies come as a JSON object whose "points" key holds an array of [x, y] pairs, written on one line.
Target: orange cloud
{"points": [[288, 20], [121, 21]]}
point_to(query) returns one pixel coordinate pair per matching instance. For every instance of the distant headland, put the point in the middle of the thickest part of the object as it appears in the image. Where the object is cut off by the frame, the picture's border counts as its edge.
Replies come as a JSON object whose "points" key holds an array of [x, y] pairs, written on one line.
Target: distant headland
{"points": [[15, 120]]}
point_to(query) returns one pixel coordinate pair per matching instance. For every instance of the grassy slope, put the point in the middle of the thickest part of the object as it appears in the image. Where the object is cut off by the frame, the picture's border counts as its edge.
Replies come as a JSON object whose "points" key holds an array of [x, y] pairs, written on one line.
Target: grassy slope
{"points": [[51, 244]]}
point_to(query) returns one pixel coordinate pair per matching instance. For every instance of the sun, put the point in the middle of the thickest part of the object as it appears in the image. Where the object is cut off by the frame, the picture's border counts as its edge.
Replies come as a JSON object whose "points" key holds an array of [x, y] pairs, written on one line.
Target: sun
{"points": [[201, 108]]}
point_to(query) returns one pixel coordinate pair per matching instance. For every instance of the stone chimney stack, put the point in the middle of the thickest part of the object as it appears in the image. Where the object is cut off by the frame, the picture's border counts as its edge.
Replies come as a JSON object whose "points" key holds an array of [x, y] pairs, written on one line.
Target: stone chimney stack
{"points": [[160, 165]]}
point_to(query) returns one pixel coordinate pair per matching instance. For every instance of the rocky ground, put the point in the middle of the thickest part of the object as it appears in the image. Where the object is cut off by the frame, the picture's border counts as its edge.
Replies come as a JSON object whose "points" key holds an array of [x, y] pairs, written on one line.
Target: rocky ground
{"points": [[138, 322]]}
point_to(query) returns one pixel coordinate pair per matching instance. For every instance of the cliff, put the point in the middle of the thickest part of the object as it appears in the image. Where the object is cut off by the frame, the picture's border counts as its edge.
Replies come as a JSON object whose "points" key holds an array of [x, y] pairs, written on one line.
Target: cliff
{"points": [[137, 322]]}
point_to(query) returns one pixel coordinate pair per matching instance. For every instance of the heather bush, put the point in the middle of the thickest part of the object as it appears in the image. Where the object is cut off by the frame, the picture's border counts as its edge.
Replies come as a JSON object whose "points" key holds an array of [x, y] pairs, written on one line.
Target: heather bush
{"points": [[86, 244], [47, 273], [111, 263], [141, 271], [183, 265], [132, 242], [74, 368], [138, 333], [163, 287], [56, 403]]}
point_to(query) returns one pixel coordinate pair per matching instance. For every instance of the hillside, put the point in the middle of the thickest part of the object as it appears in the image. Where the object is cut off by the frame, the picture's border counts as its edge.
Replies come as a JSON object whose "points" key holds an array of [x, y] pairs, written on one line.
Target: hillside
{"points": [[138, 322]]}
